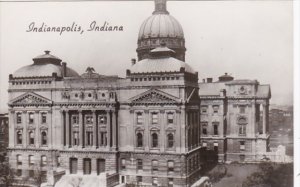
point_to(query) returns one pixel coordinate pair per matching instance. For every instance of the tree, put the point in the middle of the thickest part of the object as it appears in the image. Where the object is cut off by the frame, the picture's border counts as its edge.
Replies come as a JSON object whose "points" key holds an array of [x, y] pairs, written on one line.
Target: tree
{"points": [[7, 174]]}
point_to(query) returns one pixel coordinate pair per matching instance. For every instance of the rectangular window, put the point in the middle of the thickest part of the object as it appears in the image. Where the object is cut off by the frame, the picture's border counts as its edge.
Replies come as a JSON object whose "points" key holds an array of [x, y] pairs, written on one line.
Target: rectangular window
{"points": [[170, 182], [139, 165], [44, 161], [102, 120], [44, 117], [31, 117], [242, 146], [170, 118], [75, 119], [76, 138], [89, 137], [242, 109], [154, 118], [204, 129], [123, 163], [19, 172], [139, 180], [216, 126], [103, 138], [170, 166], [19, 118], [19, 160], [216, 147], [242, 130], [203, 109], [31, 173], [154, 166], [216, 109], [31, 161], [154, 181], [139, 118]]}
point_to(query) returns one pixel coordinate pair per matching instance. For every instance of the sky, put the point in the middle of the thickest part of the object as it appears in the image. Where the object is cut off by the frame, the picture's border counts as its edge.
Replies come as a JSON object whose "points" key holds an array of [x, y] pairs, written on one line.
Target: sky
{"points": [[247, 39]]}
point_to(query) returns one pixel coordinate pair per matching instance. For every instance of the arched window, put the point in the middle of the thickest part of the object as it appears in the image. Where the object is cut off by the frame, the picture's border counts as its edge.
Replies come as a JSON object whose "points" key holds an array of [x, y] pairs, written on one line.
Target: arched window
{"points": [[19, 137], [170, 140], [139, 139], [31, 138], [44, 138], [154, 140]]}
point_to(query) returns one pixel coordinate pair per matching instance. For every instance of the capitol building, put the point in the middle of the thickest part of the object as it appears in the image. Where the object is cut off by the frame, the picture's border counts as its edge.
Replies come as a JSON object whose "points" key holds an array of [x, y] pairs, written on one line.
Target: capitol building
{"points": [[152, 127]]}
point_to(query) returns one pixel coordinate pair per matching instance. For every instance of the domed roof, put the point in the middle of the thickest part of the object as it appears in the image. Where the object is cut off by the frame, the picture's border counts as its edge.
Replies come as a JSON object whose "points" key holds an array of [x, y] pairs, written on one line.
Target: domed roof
{"points": [[45, 65], [160, 25]]}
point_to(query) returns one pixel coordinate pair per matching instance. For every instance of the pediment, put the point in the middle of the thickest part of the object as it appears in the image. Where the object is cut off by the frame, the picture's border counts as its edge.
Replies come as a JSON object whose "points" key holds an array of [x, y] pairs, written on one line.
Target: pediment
{"points": [[30, 98], [154, 96]]}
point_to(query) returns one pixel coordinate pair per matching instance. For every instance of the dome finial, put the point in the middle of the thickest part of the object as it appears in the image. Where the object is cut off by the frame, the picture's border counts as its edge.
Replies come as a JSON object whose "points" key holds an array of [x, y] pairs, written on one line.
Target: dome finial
{"points": [[160, 7], [47, 52]]}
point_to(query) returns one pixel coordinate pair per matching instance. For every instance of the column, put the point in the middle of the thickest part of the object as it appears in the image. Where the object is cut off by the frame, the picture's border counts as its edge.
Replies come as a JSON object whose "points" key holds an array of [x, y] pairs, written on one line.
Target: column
{"points": [[94, 128], [147, 132], [177, 132], [71, 143], [25, 122], [94, 166], [114, 129], [37, 128], [67, 129], [62, 126], [264, 118], [108, 127], [12, 131], [80, 128], [162, 136], [49, 133]]}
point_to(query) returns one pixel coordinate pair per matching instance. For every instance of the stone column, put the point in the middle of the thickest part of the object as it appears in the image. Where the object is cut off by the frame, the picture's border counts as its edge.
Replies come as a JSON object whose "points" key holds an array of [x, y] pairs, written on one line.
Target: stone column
{"points": [[67, 129], [25, 122], [114, 129], [94, 128], [108, 127], [63, 133], [80, 128], [12, 130], [94, 166], [264, 118], [162, 136], [182, 126], [37, 129], [50, 129], [147, 132]]}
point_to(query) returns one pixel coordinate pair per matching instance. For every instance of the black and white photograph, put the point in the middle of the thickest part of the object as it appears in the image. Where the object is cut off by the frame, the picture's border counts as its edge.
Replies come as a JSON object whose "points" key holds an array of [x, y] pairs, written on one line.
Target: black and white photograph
{"points": [[149, 93]]}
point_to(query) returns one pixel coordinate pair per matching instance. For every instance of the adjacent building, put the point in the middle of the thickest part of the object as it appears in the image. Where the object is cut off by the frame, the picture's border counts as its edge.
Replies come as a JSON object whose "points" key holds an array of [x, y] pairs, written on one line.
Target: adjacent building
{"points": [[148, 128]]}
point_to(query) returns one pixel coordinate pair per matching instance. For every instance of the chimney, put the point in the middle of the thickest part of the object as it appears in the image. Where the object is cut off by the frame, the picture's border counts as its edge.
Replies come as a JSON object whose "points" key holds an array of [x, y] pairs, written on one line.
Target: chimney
{"points": [[64, 69], [133, 61], [209, 80]]}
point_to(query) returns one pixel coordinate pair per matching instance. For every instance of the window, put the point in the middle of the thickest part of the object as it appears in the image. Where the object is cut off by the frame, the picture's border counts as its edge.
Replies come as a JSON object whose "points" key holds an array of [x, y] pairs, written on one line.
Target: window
{"points": [[216, 109], [204, 129], [170, 182], [242, 145], [139, 164], [31, 118], [89, 119], [170, 166], [19, 118], [103, 138], [102, 120], [139, 180], [170, 140], [76, 138], [216, 147], [154, 140], [242, 109], [58, 161], [154, 166], [154, 118], [242, 130], [203, 109], [75, 119], [31, 173], [89, 137], [19, 137], [44, 138], [154, 181], [31, 160], [44, 117], [31, 138], [43, 160], [216, 126], [139, 139], [19, 172], [204, 144], [139, 118], [170, 118], [19, 159], [123, 163]]}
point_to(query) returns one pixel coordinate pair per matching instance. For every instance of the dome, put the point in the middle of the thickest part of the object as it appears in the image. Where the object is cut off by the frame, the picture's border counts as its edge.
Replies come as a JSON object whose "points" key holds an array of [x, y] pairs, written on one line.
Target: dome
{"points": [[44, 66], [161, 27]]}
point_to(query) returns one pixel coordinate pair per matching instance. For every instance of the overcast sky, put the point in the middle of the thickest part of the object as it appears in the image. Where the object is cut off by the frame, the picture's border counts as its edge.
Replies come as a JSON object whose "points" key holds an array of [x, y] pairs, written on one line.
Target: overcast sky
{"points": [[248, 39]]}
